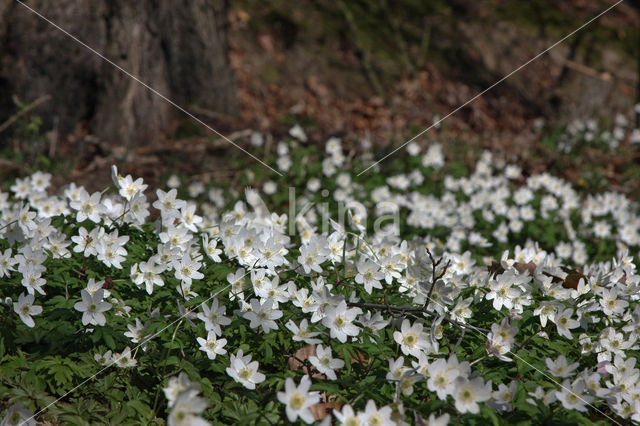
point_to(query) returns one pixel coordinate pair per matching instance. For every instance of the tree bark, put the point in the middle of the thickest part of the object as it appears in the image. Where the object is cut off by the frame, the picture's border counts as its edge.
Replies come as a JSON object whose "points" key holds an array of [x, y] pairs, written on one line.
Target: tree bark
{"points": [[178, 47]]}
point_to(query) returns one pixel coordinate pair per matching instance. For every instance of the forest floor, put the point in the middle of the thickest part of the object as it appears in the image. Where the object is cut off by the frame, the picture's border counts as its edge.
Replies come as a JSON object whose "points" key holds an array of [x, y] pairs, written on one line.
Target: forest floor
{"points": [[348, 70]]}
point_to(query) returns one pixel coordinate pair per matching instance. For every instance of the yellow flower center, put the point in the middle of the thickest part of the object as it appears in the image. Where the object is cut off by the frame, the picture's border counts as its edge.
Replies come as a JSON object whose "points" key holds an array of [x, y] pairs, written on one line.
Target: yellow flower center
{"points": [[245, 373], [297, 401], [410, 339]]}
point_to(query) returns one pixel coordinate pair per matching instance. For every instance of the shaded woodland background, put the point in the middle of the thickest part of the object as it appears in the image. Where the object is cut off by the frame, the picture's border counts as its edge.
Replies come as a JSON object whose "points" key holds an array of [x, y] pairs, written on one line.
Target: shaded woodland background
{"points": [[376, 69]]}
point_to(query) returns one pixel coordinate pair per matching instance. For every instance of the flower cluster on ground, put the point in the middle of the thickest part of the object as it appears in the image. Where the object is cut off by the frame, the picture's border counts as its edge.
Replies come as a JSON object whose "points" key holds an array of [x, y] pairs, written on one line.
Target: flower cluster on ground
{"points": [[415, 296]]}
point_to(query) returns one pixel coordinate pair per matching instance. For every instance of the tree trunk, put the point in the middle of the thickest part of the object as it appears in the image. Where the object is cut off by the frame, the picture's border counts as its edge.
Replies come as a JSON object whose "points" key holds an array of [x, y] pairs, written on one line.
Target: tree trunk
{"points": [[178, 47]]}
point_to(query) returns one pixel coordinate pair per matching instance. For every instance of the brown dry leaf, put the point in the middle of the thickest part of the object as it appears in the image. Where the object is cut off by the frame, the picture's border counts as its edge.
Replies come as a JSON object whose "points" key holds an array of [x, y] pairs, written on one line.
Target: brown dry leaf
{"points": [[573, 279], [323, 409], [495, 268], [521, 267], [301, 354]]}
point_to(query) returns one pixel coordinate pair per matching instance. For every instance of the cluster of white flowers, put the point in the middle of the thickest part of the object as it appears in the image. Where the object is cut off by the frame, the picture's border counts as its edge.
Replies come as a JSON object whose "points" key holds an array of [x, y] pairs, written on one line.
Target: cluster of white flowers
{"points": [[600, 313], [588, 131]]}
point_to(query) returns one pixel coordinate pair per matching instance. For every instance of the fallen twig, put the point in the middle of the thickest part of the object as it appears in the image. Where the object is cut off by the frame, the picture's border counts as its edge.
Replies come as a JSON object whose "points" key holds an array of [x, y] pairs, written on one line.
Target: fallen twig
{"points": [[42, 99], [412, 309]]}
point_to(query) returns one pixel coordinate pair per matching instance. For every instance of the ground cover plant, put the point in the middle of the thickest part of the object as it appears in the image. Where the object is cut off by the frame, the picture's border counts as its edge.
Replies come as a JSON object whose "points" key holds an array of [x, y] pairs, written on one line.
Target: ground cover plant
{"points": [[423, 294]]}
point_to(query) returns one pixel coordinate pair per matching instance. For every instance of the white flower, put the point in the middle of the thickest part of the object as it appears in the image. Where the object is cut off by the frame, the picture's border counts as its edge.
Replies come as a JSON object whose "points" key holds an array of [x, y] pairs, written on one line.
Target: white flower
{"points": [[32, 280], [111, 249], [369, 275], [339, 320], [6, 263], [413, 148], [22, 188], [195, 189], [186, 408], [211, 248], [284, 163], [539, 394], [611, 303], [560, 367], [572, 397], [441, 378], [502, 291], [503, 396], [411, 338], [18, 415], [434, 156], [396, 369], [374, 416], [443, 420], [270, 187], [149, 275], [407, 380], [177, 237], [565, 323], [173, 181], [188, 217], [256, 139], [88, 206], [271, 290], [298, 399], [500, 339], [214, 317], [297, 132], [58, 245], [468, 393], [176, 386], [546, 311], [348, 417], [24, 308], [124, 359], [138, 209], [86, 241], [461, 312], [105, 359], [313, 184], [212, 346], [136, 332], [129, 188], [187, 269], [93, 286], [237, 283], [592, 382], [167, 201], [373, 322], [302, 332], [244, 371], [311, 257], [26, 220], [325, 363], [262, 315], [93, 307], [615, 341]]}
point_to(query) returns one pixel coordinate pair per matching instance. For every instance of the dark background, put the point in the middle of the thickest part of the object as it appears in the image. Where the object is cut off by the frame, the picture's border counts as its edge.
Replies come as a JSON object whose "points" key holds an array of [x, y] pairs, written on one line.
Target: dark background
{"points": [[377, 69]]}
